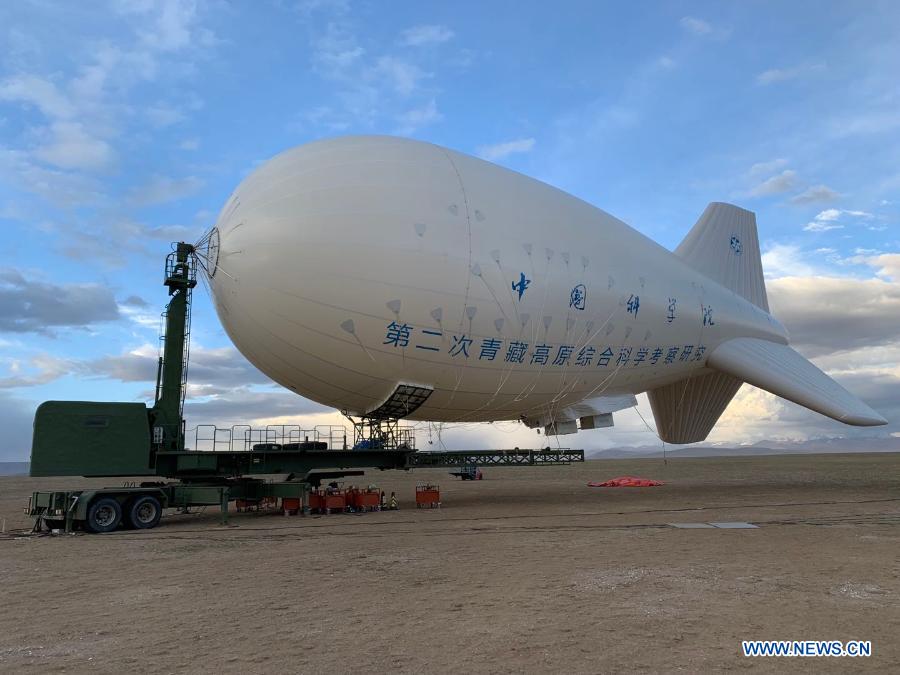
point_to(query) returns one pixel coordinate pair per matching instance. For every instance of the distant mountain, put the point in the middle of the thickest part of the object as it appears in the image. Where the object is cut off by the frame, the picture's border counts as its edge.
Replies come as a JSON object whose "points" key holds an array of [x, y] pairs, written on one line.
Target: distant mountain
{"points": [[13, 468], [814, 446]]}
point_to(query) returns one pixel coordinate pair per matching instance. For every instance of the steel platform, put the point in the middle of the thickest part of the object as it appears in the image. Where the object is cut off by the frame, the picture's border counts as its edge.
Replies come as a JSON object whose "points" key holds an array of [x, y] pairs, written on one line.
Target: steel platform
{"points": [[515, 457]]}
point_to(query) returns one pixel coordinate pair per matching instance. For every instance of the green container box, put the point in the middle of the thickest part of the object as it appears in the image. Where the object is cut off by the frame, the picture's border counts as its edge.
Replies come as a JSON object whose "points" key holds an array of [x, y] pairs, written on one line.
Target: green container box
{"points": [[82, 438]]}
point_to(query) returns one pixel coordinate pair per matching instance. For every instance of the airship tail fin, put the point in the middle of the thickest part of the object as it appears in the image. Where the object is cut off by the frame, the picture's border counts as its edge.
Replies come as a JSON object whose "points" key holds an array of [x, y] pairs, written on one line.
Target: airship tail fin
{"points": [[687, 410], [781, 371], [724, 246]]}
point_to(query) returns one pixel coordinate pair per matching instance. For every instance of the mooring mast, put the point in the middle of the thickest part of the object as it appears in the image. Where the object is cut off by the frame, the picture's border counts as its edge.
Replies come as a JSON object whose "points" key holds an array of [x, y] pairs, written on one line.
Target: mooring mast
{"points": [[167, 413]]}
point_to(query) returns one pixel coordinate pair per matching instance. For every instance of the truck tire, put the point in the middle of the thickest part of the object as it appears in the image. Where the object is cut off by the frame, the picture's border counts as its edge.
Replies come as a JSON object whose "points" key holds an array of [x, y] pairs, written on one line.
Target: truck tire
{"points": [[103, 515], [144, 512]]}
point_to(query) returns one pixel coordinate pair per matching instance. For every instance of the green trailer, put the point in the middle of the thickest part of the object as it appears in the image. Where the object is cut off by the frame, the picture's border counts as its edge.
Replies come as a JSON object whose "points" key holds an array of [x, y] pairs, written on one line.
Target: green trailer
{"points": [[141, 506], [127, 439], [215, 478]]}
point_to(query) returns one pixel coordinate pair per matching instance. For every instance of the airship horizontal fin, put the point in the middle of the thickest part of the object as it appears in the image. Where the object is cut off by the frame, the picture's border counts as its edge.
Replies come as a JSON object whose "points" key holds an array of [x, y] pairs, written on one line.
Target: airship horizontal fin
{"points": [[780, 370], [724, 246], [686, 411], [601, 405]]}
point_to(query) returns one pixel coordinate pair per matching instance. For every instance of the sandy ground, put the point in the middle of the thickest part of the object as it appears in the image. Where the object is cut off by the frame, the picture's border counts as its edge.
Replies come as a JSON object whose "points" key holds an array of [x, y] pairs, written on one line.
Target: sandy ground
{"points": [[526, 571]]}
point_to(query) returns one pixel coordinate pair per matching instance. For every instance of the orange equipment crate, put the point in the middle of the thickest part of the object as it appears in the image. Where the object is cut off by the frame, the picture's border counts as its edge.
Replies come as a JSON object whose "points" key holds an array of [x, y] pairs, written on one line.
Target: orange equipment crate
{"points": [[368, 499], [428, 495], [316, 501], [334, 501], [291, 504], [351, 494]]}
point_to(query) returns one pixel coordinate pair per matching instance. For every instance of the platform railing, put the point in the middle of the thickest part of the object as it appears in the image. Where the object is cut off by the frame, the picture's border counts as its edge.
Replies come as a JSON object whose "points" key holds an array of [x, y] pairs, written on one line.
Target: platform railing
{"points": [[333, 434], [243, 437]]}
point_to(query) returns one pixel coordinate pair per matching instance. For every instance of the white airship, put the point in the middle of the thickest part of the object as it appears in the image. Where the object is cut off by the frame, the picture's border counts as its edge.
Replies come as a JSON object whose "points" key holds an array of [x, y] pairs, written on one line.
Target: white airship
{"points": [[395, 278]]}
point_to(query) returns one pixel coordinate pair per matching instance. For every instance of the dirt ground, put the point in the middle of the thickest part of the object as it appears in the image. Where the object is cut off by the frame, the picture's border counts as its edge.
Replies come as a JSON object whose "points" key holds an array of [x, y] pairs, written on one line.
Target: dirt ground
{"points": [[528, 570]]}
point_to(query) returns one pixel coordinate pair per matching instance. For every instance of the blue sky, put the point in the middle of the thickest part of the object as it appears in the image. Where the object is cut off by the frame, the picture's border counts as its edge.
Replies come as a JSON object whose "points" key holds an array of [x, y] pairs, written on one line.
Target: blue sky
{"points": [[125, 126]]}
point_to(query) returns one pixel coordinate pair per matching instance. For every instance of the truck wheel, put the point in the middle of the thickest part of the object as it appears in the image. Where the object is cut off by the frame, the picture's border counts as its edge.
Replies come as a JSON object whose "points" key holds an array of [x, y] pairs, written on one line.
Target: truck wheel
{"points": [[104, 515], [145, 512]]}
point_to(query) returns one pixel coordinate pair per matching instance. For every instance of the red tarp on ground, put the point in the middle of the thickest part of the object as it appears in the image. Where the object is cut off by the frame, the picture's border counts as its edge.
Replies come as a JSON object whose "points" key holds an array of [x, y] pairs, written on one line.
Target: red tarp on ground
{"points": [[628, 481]]}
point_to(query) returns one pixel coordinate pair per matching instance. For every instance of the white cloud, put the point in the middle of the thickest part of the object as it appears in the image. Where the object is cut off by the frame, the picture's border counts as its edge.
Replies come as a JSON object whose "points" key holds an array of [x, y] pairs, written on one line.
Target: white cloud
{"points": [[827, 219], [335, 51], [189, 144], [66, 142], [666, 62], [786, 260], [887, 264], [162, 189], [223, 367], [310, 7], [109, 241], [402, 76], [223, 407], [322, 116], [161, 115], [703, 29], [828, 215], [70, 146], [462, 59], [414, 119], [826, 314], [505, 149], [171, 26], [814, 194], [429, 34], [373, 89], [774, 75], [44, 368], [821, 226], [865, 123], [763, 168], [87, 106], [782, 182], [38, 92], [696, 26], [64, 189], [749, 404]]}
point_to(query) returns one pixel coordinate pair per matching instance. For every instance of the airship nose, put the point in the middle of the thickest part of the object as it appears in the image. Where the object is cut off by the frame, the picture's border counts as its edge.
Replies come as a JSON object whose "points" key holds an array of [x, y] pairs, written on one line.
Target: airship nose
{"points": [[207, 250]]}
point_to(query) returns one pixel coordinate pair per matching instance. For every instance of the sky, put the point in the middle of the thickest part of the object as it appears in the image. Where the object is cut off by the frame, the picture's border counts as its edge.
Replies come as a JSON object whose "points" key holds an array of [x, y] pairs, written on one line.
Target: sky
{"points": [[124, 126]]}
